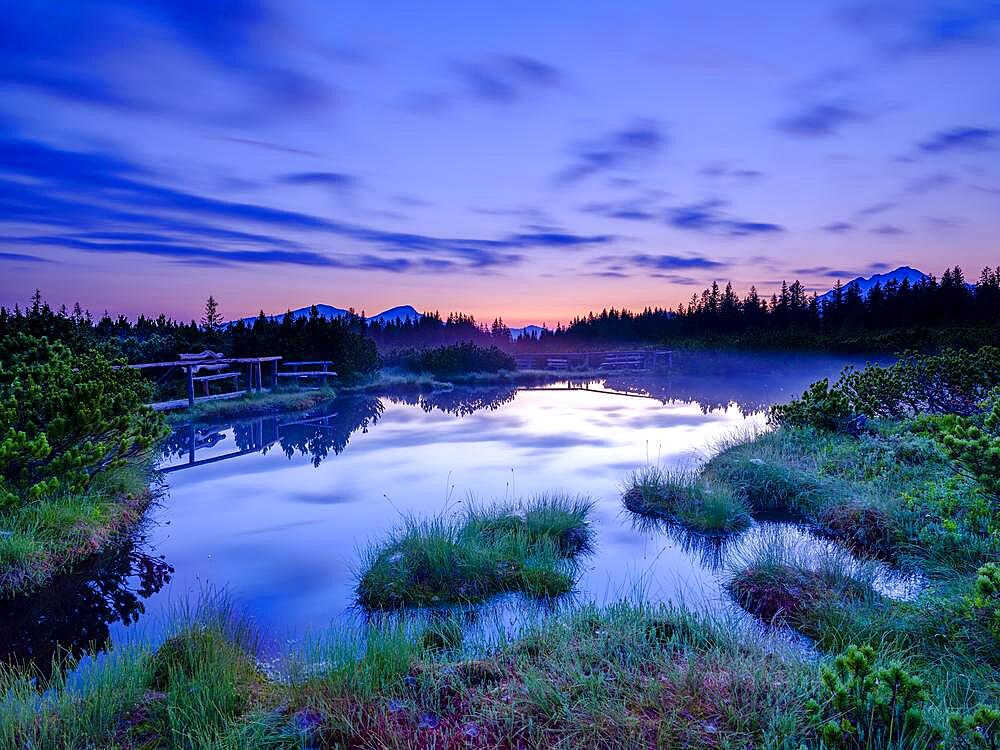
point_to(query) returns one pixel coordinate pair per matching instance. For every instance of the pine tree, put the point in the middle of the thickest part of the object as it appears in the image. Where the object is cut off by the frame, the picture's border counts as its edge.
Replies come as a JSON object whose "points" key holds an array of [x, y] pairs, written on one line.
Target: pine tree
{"points": [[212, 320]]}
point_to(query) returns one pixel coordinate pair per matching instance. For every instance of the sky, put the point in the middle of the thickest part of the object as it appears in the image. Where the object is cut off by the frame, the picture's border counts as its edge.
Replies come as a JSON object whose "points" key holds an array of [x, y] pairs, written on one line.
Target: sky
{"points": [[522, 159]]}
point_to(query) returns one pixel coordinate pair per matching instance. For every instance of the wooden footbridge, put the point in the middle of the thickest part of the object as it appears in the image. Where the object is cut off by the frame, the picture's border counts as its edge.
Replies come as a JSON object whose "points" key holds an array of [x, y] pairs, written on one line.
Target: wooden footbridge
{"points": [[617, 359], [203, 368]]}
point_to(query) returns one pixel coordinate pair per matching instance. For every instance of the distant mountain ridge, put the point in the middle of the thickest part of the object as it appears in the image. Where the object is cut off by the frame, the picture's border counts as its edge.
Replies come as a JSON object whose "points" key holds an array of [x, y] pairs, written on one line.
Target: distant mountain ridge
{"points": [[532, 330], [865, 285], [393, 314]]}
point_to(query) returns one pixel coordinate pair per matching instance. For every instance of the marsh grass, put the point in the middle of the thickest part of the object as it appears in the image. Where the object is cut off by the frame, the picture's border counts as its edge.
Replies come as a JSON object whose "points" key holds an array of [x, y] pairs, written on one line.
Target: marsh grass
{"points": [[685, 498], [622, 676], [200, 689], [482, 552], [625, 675]]}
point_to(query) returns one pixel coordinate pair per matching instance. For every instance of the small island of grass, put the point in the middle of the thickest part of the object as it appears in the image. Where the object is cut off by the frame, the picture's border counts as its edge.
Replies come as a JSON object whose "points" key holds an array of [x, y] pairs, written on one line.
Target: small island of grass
{"points": [[684, 498], [483, 552]]}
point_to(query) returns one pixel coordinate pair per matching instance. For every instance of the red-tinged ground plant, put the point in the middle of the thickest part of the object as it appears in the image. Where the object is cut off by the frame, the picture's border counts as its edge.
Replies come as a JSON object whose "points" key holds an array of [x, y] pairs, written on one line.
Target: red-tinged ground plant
{"points": [[65, 418]]}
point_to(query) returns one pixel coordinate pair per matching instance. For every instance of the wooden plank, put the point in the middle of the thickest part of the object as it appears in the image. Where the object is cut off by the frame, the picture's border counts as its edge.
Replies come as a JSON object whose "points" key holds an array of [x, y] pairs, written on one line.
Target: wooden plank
{"points": [[220, 376], [181, 402], [307, 374], [302, 364]]}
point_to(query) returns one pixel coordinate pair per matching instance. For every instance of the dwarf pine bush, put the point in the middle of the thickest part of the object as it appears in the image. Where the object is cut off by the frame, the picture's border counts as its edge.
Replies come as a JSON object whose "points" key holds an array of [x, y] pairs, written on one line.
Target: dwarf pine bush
{"points": [[65, 418]]}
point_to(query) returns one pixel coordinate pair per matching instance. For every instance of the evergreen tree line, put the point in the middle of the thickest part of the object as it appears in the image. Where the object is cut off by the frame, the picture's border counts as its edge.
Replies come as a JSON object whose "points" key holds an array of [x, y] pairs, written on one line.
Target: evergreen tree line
{"points": [[946, 303], [343, 341], [791, 315]]}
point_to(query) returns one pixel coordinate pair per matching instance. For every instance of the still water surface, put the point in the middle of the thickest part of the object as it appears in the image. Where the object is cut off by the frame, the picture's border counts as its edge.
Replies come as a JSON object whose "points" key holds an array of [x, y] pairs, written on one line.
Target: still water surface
{"points": [[276, 510]]}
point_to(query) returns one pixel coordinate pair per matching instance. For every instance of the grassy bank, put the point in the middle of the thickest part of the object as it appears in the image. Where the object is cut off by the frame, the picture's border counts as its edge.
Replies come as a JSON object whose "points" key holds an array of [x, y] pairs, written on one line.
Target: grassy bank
{"points": [[485, 551], [254, 405], [50, 534], [628, 675]]}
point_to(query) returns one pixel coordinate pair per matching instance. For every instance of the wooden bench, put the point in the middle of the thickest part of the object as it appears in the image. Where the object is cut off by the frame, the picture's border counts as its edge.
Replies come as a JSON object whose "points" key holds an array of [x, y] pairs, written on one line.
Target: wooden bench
{"points": [[300, 375], [624, 361], [556, 363]]}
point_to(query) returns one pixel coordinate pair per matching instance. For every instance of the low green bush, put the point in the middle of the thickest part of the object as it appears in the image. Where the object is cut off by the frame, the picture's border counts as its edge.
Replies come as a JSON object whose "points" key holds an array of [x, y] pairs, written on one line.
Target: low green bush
{"points": [[952, 382], [863, 704], [66, 418]]}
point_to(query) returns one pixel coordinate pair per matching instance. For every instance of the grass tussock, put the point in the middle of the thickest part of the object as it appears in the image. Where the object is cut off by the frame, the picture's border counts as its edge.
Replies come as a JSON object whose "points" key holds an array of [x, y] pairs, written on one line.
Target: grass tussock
{"points": [[785, 583], [682, 497], [482, 552]]}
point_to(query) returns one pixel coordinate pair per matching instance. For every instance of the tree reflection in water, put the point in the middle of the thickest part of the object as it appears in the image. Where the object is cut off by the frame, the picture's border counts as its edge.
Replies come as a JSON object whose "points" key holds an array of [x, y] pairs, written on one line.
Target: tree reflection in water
{"points": [[74, 612], [458, 401]]}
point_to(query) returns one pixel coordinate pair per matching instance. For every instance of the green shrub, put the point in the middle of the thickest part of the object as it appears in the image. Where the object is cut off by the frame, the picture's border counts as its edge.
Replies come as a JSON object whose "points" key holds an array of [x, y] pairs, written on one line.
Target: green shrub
{"points": [[952, 382], [863, 705], [975, 448], [65, 418], [984, 602], [820, 407], [458, 359]]}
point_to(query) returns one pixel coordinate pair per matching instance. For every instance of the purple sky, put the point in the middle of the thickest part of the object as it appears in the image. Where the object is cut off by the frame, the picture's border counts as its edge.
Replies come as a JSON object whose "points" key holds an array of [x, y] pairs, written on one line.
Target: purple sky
{"points": [[527, 159]]}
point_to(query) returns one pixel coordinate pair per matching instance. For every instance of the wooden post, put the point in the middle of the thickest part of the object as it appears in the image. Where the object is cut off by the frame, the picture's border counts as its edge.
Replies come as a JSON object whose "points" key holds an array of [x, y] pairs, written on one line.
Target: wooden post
{"points": [[190, 384], [274, 374], [260, 377]]}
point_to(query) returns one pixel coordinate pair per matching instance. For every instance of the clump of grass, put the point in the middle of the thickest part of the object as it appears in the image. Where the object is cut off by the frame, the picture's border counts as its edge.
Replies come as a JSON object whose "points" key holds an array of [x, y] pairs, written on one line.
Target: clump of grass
{"points": [[784, 583], [684, 498], [478, 554], [559, 518], [201, 688], [863, 527]]}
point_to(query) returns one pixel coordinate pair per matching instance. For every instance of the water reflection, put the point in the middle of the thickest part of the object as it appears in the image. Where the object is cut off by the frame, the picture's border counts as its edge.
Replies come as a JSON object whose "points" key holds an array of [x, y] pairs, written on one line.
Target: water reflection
{"points": [[457, 401], [74, 613], [315, 434]]}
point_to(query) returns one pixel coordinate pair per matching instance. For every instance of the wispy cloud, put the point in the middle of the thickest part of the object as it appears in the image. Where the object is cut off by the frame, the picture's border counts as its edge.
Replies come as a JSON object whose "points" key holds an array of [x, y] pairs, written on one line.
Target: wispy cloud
{"points": [[709, 217], [111, 205], [722, 170], [888, 230], [505, 78], [920, 27], [673, 262], [335, 180], [627, 148], [961, 138], [838, 227], [43, 50], [819, 119]]}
